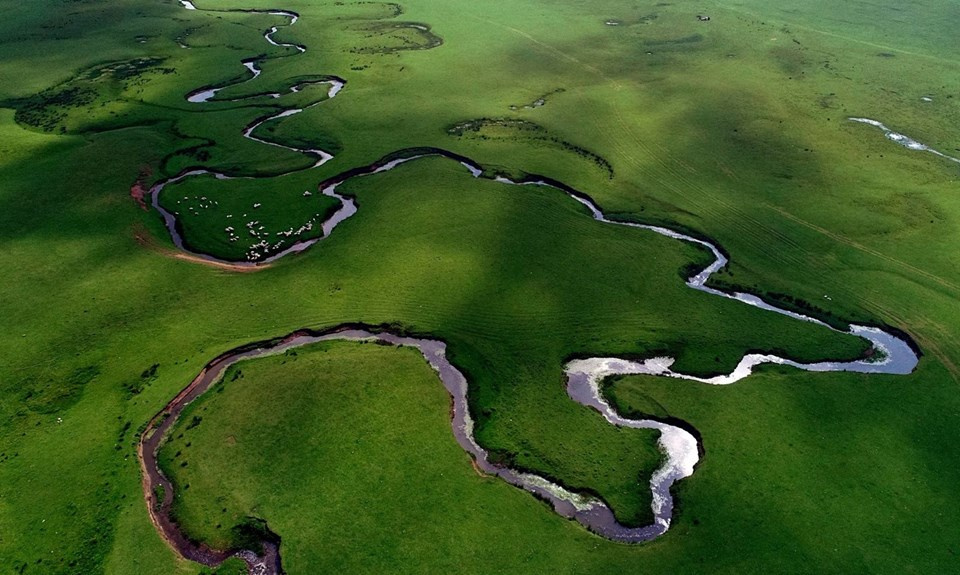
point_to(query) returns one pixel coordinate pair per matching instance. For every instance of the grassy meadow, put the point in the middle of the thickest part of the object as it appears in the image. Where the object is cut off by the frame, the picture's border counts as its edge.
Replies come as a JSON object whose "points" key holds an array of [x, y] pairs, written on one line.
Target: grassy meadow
{"points": [[733, 128]]}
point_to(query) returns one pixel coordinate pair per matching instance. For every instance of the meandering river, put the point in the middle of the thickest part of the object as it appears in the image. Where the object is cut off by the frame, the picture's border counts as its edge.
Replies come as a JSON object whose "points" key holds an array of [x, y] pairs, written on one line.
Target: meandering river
{"points": [[584, 376]]}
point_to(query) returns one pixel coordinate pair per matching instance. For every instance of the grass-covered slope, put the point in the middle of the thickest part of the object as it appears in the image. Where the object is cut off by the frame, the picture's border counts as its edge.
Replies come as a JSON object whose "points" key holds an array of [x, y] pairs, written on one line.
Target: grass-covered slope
{"points": [[533, 292], [733, 128], [824, 468], [346, 449]]}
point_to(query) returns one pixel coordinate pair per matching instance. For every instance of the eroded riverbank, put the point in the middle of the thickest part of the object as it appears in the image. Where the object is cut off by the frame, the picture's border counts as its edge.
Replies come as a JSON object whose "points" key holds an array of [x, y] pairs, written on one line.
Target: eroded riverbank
{"points": [[680, 447]]}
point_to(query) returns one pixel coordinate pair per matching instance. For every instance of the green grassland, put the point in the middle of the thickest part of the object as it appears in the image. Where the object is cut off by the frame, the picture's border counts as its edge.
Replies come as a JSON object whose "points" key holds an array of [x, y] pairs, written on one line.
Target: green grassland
{"points": [[510, 282], [208, 207], [809, 464], [733, 128]]}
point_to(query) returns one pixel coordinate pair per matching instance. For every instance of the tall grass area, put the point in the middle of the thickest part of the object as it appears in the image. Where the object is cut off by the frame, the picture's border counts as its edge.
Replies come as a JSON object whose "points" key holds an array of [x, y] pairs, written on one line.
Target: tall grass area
{"points": [[733, 128]]}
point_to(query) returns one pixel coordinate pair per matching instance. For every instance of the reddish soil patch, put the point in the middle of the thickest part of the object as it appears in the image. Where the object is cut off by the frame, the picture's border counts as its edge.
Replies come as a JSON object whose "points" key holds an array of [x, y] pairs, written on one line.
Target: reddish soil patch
{"points": [[138, 191], [145, 239]]}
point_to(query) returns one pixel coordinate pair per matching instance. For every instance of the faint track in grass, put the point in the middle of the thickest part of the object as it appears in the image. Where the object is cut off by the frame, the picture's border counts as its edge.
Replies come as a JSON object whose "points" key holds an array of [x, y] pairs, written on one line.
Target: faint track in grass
{"points": [[866, 249]]}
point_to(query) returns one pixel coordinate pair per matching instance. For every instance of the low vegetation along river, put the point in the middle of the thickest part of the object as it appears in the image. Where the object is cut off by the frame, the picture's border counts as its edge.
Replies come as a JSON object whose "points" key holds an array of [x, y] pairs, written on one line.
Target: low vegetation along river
{"points": [[680, 447]]}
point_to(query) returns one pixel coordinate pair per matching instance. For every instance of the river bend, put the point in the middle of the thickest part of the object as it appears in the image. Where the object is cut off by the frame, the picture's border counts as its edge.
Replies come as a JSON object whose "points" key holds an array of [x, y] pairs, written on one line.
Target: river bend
{"points": [[584, 376]]}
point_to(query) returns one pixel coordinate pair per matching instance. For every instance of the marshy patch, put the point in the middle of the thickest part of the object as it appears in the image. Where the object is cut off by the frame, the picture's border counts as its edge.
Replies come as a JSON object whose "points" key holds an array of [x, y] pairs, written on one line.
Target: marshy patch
{"points": [[107, 83], [125, 70], [136, 387], [56, 393], [392, 37], [368, 10], [632, 20], [526, 132], [490, 124], [539, 102]]}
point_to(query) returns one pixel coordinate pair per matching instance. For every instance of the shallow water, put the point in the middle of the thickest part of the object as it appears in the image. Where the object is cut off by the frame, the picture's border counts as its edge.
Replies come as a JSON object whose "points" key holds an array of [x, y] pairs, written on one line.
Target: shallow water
{"points": [[904, 141]]}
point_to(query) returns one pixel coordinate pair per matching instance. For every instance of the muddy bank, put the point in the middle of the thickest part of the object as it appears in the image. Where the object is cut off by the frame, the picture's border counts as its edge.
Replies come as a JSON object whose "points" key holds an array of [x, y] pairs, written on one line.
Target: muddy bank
{"points": [[589, 511]]}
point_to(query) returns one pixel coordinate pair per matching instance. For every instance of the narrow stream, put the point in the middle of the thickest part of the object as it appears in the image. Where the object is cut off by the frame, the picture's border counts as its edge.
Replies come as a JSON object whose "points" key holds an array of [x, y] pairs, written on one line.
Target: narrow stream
{"points": [[256, 254], [905, 141]]}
